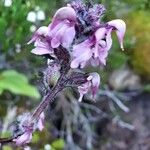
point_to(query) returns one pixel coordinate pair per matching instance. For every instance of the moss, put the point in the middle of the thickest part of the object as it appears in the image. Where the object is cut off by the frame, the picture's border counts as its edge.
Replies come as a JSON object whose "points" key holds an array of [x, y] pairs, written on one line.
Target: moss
{"points": [[139, 24]]}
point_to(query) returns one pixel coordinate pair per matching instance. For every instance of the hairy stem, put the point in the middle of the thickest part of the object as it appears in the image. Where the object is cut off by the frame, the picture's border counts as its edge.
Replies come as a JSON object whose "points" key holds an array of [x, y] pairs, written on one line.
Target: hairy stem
{"points": [[49, 97]]}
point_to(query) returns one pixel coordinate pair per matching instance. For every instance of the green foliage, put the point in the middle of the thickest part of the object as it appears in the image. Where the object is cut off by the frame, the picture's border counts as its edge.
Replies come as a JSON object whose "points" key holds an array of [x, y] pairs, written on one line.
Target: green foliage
{"points": [[17, 83], [14, 27], [36, 137], [58, 144], [141, 51], [6, 134], [117, 59], [139, 4], [1, 91], [7, 147], [12, 21], [147, 88]]}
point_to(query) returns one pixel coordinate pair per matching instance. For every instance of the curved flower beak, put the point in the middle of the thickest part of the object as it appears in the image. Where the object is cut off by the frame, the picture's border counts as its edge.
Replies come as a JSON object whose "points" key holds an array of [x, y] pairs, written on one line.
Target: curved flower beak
{"points": [[120, 28], [63, 14]]}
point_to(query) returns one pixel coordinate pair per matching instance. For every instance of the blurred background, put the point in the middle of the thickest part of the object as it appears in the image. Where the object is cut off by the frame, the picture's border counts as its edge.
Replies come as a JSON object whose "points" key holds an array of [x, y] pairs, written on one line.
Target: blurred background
{"points": [[106, 124]]}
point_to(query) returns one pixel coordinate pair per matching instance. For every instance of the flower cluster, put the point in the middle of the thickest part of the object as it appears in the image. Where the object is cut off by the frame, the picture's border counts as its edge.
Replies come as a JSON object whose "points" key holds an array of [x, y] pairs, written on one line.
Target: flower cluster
{"points": [[75, 38], [77, 28]]}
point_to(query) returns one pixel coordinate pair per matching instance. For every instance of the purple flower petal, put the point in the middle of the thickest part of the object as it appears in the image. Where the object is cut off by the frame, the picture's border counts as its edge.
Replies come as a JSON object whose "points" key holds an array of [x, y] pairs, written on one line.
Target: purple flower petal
{"points": [[100, 33], [95, 83], [42, 31], [52, 31], [120, 28], [83, 89], [102, 46], [40, 51], [94, 61], [104, 51], [82, 59], [68, 37], [63, 14], [40, 124], [42, 47], [61, 30], [23, 139], [55, 42], [63, 33], [59, 35], [92, 85], [81, 53], [108, 40]]}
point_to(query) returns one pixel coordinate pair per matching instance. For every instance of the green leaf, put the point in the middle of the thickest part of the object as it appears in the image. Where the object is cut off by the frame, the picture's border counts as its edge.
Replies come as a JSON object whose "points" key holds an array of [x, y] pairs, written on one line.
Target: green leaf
{"points": [[58, 144], [17, 83], [6, 134], [117, 59], [35, 138], [7, 147], [147, 88], [1, 91]]}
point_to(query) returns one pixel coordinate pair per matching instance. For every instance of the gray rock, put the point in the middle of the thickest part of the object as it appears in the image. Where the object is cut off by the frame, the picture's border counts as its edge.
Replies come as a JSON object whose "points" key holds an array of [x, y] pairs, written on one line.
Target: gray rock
{"points": [[124, 78]]}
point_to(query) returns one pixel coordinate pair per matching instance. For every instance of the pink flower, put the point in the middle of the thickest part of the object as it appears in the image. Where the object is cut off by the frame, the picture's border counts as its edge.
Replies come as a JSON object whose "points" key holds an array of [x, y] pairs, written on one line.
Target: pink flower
{"points": [[95, 82], [23, 139], [62, 28], [42, 31], [60, 32], [81, 54], [41, 43], [92, 85], [40, 123], [120, 27], [103, 43], [27, 126], [95, 49]]}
